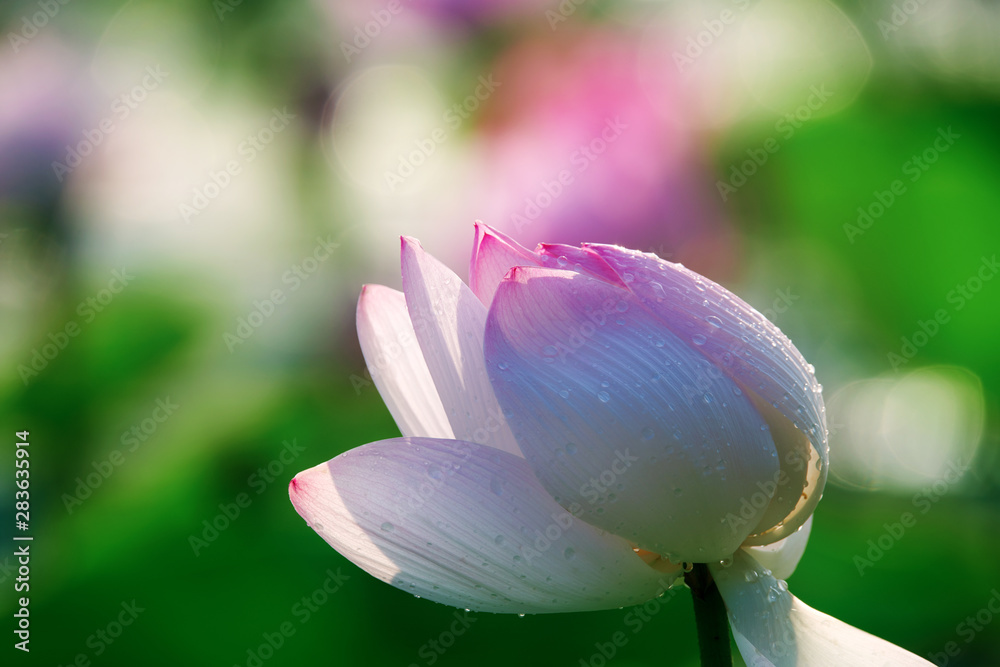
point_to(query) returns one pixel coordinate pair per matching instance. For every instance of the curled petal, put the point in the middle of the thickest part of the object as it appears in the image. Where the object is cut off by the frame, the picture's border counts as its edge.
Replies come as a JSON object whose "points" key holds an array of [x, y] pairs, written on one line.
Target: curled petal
{"points": [[397, 365], [743, 343], [468, 526], [783, 556], [773, 628], [448, 321], [617, 414], [584, 260], [493, 255]]}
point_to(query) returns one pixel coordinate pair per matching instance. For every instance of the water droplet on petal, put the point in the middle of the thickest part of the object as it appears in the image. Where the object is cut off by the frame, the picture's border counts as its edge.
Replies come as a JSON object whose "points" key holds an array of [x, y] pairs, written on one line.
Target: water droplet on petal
{"points": [[603, 396], [388, 527], [714, 321], [698, 339], [503, 365], [571, 448], [569, 553], [648, 433], [621, 306], [498, 540]]}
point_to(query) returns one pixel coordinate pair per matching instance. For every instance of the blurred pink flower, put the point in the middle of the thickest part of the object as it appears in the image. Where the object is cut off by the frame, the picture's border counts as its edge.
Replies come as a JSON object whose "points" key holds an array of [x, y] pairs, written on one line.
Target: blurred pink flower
{"points": [[576, 151]]}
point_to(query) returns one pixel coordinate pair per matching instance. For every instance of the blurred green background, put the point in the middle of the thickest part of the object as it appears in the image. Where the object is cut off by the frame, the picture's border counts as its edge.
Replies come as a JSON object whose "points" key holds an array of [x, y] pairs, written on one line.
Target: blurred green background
{"points": [[192, 194]]}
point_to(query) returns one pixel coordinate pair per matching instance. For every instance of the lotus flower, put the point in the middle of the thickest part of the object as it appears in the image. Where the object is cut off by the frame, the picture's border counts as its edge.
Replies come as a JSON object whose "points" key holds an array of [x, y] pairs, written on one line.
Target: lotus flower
{"points": [[578, 424]]}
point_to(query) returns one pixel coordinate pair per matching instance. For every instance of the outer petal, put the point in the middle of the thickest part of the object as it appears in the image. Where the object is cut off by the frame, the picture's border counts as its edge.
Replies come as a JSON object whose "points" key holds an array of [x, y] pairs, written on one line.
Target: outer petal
{"points": [[397, 365], [745, 345], [774, 628], [468, 526], [617, 414], [449, 321], [783, 556], [493, 255]]}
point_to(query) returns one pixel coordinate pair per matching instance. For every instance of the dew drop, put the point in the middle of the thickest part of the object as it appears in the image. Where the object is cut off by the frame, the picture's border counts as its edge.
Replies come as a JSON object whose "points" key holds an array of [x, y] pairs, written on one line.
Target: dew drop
{"points": [[503, 365], [750, 576], [621, 306], [569, 553], [647, 433], [714, 321], [698, 339], [571, 448], [498, 540], [388, 527], [604, 396]]}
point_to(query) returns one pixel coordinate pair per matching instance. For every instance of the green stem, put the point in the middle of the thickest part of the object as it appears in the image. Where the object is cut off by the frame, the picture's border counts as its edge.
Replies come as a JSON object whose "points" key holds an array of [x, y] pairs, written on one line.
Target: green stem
{"points": [[710, 617]]}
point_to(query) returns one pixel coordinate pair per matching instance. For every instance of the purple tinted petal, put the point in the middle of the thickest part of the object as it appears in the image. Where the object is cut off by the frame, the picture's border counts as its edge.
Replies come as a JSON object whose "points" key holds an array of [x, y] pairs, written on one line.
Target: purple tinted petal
{"points": [[744, 344], [468, 526], [617, 414]]}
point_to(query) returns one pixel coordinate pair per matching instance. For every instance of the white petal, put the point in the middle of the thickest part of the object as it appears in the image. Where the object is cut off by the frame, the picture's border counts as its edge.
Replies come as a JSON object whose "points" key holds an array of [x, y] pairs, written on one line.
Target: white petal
{"points": [[616, 413], [783, 556], [449, 321], [468, 526], [397, 365], [774, 628]]}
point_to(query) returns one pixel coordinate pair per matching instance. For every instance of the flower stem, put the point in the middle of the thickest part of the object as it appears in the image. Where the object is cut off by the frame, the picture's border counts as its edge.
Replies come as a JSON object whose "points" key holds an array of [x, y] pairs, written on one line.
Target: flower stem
{"points": [[710, 617]]}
